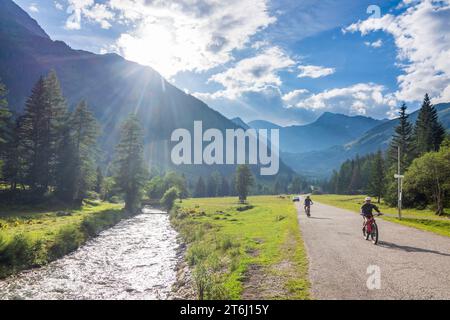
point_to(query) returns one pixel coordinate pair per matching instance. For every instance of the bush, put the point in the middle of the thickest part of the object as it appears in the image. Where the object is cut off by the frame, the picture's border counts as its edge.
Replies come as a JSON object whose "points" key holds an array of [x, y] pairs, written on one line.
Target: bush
{"points": [[67, 240], [168, 200], [17, 252], [197, 253], [115, 199], [208, 286], [94, 224], [225, 243], [92, 195], [244, 208]]}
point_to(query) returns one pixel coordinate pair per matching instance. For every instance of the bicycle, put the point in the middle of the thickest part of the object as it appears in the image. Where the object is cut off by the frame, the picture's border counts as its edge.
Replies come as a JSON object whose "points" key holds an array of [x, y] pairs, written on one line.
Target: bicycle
{"points": [[370, 229], [308, 211]]}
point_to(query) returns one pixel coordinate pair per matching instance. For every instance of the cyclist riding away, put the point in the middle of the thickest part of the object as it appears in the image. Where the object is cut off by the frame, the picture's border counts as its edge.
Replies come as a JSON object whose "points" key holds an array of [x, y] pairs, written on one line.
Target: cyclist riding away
{"points": [[308, 203], [367, 210]]}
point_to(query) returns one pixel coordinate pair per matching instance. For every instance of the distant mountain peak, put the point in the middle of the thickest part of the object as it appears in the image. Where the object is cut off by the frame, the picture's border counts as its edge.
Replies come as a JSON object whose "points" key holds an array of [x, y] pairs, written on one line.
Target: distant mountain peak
{"points": [[330, 115], [241, 123], [14, 19], [263, 124]]}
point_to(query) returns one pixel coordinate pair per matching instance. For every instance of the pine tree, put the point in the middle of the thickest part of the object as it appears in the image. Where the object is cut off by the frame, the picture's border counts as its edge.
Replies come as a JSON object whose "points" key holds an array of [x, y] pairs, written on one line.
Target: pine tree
{"points": [[334, 183], [41, 131], [67, 167], [99, 181], [200, 188], [377, 184], [244, 180], [213, 184], [5, 119], [355, 181], [129, 162], [224, 188], [404, 139], [296, 186], [429, 132], [11, 167], [211, 187], [34, 138], [57, 117], [277, 187], [85, 129]]}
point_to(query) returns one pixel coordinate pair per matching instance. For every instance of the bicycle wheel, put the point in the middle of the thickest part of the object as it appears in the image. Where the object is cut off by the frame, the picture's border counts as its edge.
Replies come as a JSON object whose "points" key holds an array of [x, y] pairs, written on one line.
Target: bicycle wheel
{"points": [[374, 233], [366, 235]]}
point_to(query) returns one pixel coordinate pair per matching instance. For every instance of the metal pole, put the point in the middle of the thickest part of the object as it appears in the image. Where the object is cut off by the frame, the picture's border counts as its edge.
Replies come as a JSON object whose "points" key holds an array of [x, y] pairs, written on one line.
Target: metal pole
{"points": [[399, 188]]}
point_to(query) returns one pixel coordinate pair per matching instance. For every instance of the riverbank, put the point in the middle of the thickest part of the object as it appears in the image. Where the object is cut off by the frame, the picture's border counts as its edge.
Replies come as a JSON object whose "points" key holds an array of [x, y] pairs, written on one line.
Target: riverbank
{"points": [[133, 260], [425, 220], [251, 251], [33, 237]]}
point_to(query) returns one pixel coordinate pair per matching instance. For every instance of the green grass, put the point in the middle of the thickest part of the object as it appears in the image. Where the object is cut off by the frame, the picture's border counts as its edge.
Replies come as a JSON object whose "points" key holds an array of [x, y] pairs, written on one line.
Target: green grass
{"points": [[225, 239], [31, 237], [420, 219]]}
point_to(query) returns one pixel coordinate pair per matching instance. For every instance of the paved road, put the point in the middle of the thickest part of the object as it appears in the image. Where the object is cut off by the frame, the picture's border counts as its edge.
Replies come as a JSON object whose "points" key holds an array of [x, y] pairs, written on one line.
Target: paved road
{"points": [[412, 264]]}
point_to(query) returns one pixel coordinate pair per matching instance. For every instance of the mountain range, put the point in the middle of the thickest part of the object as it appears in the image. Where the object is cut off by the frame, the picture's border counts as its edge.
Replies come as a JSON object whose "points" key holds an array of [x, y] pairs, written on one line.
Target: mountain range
{"points": [[316, 149], [320, 163], [112, 86], [328, 130]]}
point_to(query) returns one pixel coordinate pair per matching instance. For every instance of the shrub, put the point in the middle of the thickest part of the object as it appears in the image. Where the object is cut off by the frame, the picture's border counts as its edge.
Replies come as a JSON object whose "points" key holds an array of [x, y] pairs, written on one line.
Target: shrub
{"points": [[244, 208], [92, 195], [197, 253], [115, 199], [208, 285], [18, 251], [67, 240], [225, 243], [168, 200]]}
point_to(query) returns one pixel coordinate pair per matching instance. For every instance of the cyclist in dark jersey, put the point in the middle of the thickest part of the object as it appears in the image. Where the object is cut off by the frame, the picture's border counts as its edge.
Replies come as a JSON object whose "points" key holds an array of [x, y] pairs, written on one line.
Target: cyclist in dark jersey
{"points": [[308, 202], [367, 209]]}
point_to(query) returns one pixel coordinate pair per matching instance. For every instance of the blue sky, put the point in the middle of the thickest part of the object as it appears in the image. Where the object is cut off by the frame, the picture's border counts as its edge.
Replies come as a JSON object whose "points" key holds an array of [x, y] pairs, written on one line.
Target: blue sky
{"points": [[282, 61]]}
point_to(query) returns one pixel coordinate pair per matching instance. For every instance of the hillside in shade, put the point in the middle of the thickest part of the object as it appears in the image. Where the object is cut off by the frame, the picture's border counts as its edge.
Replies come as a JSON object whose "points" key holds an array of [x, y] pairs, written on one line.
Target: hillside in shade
{"points": [[112, 86], [322, 162], [328, 130]]}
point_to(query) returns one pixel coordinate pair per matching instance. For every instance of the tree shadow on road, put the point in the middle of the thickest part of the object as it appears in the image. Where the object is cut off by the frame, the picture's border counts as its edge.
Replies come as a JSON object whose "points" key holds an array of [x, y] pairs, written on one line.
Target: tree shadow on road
{"points": [[316, 218], [394, 246]]}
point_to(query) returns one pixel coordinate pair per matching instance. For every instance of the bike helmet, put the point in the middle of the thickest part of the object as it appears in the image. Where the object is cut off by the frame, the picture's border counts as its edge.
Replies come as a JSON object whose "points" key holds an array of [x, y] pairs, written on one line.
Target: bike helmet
{"points": [[368, 199]]}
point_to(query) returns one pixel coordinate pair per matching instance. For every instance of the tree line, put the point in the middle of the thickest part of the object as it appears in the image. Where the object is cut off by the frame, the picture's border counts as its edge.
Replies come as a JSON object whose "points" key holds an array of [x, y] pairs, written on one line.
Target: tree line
{"points": [[48, 152], [424, 160]]}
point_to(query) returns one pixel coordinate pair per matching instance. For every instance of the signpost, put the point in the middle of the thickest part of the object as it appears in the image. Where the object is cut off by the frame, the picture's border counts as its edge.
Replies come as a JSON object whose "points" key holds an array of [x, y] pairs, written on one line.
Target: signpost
{"points": [[399, 177]]}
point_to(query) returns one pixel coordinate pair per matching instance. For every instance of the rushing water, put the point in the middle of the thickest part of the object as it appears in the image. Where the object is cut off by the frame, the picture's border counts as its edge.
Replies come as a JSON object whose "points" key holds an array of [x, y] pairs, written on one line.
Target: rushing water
{"points": [[133, 260]]}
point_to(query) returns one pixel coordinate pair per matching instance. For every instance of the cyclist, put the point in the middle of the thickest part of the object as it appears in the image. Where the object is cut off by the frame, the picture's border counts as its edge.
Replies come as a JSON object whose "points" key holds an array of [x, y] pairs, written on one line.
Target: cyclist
{"points": [[308, 203], [367, 210]]}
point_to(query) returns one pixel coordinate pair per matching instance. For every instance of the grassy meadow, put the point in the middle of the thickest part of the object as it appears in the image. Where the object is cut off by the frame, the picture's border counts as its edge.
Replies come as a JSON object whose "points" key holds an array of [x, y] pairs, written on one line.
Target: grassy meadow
{"points": [[248, 251], [421, 219], [31, 237]]}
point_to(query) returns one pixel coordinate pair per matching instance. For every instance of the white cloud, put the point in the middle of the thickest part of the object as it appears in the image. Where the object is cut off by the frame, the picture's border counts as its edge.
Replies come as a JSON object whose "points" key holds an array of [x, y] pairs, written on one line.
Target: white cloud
{"points": [[375, 44], [421, 34], [33, 8], [314, 71], [293, 97], [176, 36], [255, 74], [58, 6], [359, 99], [94, 12]]}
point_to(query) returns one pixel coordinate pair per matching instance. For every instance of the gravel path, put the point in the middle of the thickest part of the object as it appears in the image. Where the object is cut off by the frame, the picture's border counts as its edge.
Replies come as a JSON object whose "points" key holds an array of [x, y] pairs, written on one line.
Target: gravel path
{"points": [[411, 264]]}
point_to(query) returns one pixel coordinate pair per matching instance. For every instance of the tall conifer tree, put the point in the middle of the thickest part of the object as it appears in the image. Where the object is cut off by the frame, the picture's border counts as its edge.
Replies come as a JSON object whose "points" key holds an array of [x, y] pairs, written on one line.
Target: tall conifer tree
{"points": [[404, 139], [129, 162], [428, 131]]}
